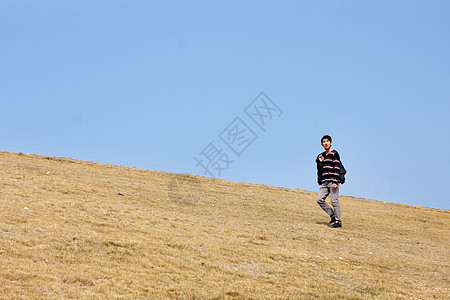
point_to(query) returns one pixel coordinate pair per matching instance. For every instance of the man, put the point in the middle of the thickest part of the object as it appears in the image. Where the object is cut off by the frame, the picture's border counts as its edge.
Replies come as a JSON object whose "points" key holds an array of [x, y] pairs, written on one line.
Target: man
{"points": [[328, 166]]}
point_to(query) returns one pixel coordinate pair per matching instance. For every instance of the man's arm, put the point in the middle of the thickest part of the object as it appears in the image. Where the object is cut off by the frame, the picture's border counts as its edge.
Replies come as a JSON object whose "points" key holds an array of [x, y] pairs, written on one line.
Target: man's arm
{"points": [[337, 168], [319, 163], [319, 159]]}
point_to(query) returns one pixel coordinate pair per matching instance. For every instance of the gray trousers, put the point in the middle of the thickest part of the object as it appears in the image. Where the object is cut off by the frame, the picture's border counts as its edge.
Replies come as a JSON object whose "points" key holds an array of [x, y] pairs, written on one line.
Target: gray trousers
{"points": [[324, 191]]}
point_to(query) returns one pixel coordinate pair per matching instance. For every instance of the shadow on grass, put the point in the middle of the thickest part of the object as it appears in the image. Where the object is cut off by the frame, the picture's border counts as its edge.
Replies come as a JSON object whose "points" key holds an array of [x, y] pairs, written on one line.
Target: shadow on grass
{"points": [[323, 223]]}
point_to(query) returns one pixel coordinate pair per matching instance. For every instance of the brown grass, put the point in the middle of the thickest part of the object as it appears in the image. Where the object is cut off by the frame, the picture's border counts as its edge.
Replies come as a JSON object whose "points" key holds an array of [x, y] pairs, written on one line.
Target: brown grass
{"points": [[85, 230]]}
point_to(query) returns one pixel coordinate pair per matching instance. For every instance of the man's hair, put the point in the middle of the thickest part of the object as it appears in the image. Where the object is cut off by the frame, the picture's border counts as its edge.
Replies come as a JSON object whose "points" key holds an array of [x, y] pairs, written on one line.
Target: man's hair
{"points": [[326, 137]]}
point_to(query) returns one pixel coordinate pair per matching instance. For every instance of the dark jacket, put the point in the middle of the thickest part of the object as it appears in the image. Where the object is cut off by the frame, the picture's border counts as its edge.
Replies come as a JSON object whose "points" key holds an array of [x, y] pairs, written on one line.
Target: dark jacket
{"points": [[330, 169]]}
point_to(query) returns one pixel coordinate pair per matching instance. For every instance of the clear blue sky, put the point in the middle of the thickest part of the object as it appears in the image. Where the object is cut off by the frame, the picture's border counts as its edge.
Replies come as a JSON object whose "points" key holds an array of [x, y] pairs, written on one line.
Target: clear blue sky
{"points": [[152, 83]]}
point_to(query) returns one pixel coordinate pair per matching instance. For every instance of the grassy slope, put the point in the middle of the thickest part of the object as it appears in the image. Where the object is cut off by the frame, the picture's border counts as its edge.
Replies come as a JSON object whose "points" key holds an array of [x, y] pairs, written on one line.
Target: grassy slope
{"points": [[77, 229]]}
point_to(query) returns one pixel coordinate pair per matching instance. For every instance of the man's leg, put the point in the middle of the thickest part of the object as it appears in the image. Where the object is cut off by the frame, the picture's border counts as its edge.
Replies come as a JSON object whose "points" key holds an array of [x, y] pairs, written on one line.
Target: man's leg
{"points": [[324, 191], [335, 203]]}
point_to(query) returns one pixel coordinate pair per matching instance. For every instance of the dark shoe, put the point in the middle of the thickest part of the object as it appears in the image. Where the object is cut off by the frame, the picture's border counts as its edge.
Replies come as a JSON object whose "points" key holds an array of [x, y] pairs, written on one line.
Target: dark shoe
{"points": [[333, 219], [336, 224]]}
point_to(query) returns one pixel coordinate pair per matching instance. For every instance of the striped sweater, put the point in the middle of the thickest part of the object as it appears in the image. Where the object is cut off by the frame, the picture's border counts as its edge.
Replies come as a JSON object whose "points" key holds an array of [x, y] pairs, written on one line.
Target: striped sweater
{"points": [[328, 169]]}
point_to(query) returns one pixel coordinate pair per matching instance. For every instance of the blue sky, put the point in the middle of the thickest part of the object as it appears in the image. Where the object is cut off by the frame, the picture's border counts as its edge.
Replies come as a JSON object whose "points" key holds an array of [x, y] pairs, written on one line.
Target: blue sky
{"points": [[152, 83]]}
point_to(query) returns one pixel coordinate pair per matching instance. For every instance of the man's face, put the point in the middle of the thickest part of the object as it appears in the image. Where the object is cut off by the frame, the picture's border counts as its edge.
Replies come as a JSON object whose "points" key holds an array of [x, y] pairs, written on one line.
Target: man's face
{"points": [[326, 144]]}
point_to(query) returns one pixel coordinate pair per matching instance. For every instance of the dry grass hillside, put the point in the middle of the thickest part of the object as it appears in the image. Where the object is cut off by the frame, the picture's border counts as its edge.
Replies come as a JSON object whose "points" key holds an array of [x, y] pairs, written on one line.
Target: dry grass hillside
{"points": [[86, 230]]}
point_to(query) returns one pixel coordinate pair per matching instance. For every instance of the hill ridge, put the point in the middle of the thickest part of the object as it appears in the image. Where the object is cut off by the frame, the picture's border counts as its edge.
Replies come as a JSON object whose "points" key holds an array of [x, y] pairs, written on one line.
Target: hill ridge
{"points": [[78, 229]]}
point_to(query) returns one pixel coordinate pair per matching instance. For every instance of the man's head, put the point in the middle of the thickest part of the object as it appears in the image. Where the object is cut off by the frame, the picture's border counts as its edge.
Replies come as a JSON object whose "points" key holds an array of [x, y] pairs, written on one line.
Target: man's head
{"points": [[326, 137], [326, 141]]}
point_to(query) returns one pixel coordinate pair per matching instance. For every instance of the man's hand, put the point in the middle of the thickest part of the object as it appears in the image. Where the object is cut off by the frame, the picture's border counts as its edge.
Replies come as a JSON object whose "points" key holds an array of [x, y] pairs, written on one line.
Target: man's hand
{"points": [[334, 185], [321, 158]]}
